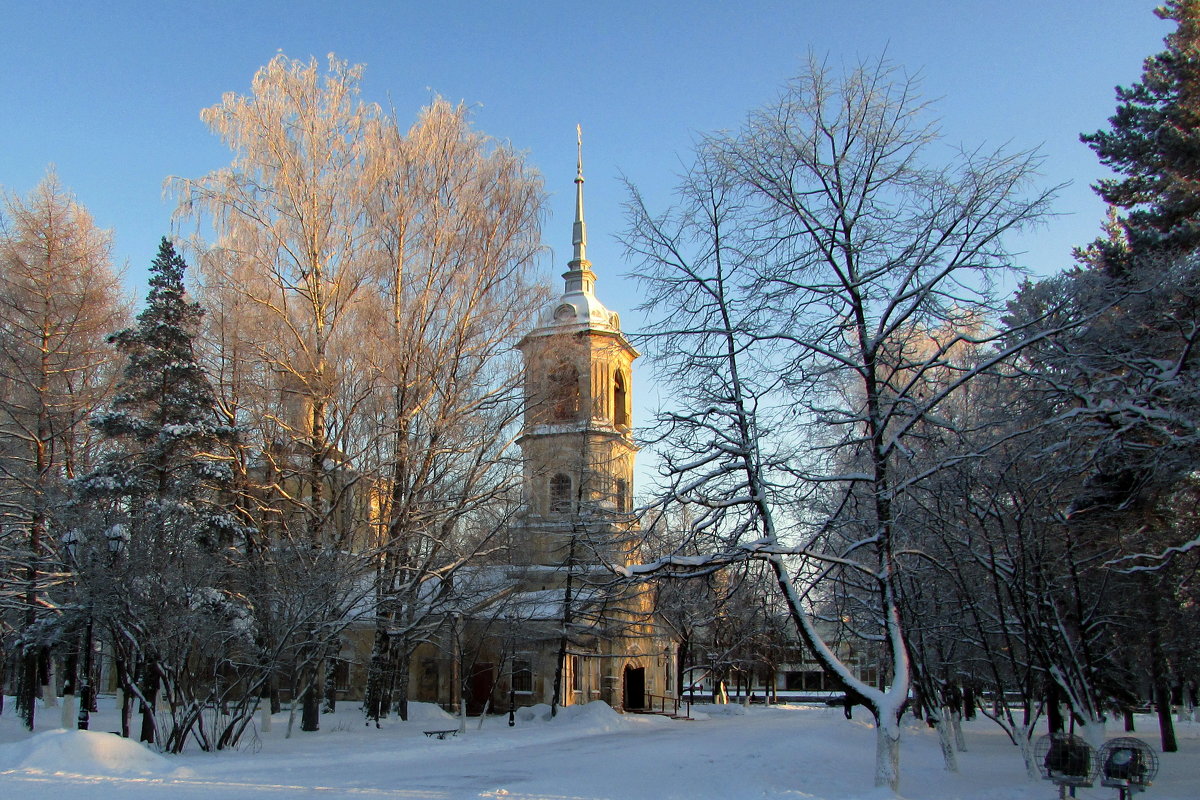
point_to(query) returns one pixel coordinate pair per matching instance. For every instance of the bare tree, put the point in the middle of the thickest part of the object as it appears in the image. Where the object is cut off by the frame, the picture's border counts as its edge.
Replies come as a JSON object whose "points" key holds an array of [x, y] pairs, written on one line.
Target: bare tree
{"points": [[813, 283], [59, 300], [368, 284], [455, 220], [291, 214]]}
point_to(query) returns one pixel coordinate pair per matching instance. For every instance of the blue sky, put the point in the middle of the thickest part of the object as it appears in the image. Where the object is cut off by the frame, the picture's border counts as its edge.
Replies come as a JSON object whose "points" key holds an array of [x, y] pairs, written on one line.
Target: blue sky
{"points": [[110, 92]]}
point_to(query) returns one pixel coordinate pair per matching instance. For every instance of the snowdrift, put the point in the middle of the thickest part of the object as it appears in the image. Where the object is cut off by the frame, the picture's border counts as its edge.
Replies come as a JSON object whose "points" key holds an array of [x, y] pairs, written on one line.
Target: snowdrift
{"points": [[85, 752], [428, 712], [594, 717]]}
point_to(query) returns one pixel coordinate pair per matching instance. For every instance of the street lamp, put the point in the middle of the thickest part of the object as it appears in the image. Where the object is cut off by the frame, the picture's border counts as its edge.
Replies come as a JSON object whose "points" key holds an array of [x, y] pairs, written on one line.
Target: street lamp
{"points": [[118, 537], [70, 542]]}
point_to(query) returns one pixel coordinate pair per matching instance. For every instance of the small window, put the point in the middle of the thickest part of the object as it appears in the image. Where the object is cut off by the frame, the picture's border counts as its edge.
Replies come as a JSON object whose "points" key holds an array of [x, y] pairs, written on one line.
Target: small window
{"points": [[576, 674], [622, 495], [560, 493], [620, 401], [522, 676]]}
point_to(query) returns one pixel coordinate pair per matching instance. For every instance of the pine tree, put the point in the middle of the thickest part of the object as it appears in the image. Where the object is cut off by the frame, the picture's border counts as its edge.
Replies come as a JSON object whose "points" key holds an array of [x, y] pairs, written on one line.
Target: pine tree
{"points": [[1137, 281], [1153, 143], [159, 496], [1122, 370]]}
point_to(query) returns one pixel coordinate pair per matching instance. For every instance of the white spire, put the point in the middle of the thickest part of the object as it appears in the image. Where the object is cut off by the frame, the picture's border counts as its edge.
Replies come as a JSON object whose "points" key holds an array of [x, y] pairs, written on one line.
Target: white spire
{"points": [[579, 230], [579, 275], [578, 307]]}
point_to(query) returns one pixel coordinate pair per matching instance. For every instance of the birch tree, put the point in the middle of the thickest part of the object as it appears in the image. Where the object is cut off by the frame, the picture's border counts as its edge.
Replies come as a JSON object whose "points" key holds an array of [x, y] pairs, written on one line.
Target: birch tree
{"points": [[290, 212], [372, 281], [812, 282], [455, 220]]}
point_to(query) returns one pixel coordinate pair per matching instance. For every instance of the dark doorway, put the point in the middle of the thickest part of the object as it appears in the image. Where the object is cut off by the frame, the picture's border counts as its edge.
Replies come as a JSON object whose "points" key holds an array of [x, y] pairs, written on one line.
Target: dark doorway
{"points": [[635, 688], [482, 681]]}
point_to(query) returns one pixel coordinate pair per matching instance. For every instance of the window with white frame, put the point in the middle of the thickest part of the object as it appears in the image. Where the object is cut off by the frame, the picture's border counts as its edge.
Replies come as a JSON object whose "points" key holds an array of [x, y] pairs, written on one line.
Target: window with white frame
{"points": [[522, 676]]}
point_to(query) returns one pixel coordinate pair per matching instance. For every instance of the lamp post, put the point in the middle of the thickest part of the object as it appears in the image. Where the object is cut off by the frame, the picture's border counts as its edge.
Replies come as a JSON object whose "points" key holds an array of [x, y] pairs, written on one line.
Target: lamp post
{"points": [[71, 541], [117, 537]]}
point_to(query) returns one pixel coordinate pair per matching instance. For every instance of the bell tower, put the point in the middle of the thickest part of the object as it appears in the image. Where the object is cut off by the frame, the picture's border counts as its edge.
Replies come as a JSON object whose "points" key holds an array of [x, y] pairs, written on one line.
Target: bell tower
{"points": [[576, 440]]}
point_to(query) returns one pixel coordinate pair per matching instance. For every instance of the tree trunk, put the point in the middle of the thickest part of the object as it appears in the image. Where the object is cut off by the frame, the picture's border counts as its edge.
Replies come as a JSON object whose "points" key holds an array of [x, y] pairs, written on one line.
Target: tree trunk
{"points": [[150, 683], [49, 684], [1054, 715], [1028, 757], [960, 741], [27, 684], [941, 721], [310, 713], [887, 752], [330, 687], [1160, 675], [1166, 728], [400, 671], [126, 704], [374, 704]]}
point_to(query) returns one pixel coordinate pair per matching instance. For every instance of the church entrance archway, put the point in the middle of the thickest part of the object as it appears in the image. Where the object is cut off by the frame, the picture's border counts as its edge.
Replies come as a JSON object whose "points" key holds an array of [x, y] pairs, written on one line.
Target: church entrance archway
{"points": [[635, 688]]}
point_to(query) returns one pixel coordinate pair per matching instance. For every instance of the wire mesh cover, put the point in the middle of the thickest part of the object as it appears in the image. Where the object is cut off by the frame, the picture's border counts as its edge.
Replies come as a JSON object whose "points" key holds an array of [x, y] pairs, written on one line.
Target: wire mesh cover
{"points": [[1067, 759], [1127, 761]]}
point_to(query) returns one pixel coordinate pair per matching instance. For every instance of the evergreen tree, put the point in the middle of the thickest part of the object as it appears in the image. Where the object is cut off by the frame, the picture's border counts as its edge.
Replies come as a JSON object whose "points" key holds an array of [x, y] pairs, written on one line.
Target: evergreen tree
{"points": [[163, 421], [1137, 282], [1154, 145], [1117, 379], [157, 510]]}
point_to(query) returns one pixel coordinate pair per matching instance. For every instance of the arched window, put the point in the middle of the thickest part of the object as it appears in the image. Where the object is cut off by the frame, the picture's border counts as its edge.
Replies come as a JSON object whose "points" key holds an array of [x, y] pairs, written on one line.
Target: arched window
{"points": [[564, 392], [620, 401], [560, 493]]}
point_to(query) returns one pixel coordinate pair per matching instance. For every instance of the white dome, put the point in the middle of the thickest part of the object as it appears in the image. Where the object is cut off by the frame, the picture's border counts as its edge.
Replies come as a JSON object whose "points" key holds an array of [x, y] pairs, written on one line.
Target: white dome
{"points": [[576, 310]]}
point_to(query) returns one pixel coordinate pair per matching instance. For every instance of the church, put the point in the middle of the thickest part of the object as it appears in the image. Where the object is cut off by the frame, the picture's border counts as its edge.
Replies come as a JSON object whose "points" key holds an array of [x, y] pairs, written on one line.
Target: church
{"points": [[561, 629]]}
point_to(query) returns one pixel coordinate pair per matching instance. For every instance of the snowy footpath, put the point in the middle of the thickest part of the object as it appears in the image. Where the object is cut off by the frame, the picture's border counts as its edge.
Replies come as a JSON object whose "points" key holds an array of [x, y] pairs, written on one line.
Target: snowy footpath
{"points": [[586, 753]]}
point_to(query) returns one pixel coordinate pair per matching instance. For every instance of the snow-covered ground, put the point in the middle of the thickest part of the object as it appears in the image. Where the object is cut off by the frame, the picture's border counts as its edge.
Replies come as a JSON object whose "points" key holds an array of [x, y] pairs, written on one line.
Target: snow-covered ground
{"points": [[586, 752]]}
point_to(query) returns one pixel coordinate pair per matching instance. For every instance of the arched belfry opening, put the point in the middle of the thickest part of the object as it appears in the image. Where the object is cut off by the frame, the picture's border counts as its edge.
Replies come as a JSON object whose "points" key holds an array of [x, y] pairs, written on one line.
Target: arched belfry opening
{"points": [[621, 495], [620, 401], [564, 393]]}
